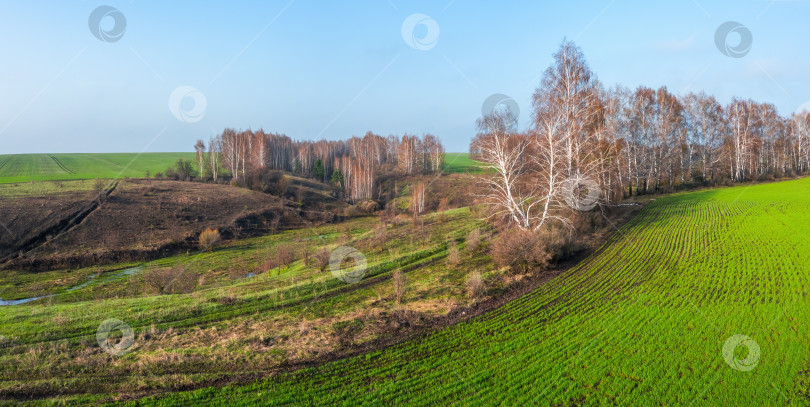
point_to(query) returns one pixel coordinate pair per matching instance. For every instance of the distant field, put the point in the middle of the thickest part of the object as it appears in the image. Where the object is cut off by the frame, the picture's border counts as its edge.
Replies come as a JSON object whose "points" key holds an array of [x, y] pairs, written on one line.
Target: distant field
{"points": [[461, 162], [43, 167]]}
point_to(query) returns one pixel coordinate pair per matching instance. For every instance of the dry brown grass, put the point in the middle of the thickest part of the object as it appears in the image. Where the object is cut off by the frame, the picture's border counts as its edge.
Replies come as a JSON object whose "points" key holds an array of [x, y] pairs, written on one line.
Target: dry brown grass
{"points": [[474, 285], [453, 257], [400, 285], [473, 240]]}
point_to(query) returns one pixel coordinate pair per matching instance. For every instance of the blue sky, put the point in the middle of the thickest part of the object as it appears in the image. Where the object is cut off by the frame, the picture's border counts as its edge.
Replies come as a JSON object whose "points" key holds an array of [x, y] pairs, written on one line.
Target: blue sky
{"points": [[324, 69]]}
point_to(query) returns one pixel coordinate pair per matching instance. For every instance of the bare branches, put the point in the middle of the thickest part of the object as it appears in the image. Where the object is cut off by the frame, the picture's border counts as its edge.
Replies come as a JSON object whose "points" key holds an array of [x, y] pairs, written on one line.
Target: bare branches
{"points": [[533, 172], [355, 160], [418, 199]]}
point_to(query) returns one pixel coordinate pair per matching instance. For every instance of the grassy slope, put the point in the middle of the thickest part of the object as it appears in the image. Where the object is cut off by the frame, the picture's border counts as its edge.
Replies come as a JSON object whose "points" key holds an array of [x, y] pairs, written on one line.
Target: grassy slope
{"points": [[460, 163], [40, 167], [49, 346], [642, 322]]}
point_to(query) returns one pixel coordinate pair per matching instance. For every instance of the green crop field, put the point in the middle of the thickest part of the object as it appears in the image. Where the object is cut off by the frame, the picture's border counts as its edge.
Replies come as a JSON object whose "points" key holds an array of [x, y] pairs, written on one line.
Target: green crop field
{"points": [[461, 162], [643, 321], [41, 167]]}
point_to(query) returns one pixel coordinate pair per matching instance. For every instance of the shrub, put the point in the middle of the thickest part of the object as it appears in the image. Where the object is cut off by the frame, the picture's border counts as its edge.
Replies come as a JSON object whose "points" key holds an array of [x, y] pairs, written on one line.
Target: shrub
{"points": [[271, 182], [368, 206], [474, 285], [444, 204], [306, 255], [381, 235], [322, 259], [185, 281], [474, 240], [400, 285], [100, 188], [209, 239], [285, 256], [453, 257], [521, 251], [269, 264], [171, 280]]}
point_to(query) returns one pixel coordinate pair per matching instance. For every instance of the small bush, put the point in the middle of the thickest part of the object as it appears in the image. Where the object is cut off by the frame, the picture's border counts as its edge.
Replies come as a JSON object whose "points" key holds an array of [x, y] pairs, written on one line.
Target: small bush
{"points": [[474, 285], [100, 188], [453, 258], [474, 240], [269, 264], [182, 170], [209, 238], [400, 285], [322, 259], [306, 255], [381, 234], [444, 204], [285, 256], [521, 251], [175, 280]]}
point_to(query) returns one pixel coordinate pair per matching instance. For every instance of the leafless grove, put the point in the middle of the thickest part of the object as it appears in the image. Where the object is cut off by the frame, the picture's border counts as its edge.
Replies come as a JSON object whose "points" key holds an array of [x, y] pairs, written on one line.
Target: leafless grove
{"points": [[624, 142], [350, 164]]}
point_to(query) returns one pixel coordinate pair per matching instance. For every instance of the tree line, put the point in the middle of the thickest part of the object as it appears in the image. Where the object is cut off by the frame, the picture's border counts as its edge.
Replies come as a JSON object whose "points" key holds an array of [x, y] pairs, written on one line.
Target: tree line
{"points": [[625, 142], [352, 165]]}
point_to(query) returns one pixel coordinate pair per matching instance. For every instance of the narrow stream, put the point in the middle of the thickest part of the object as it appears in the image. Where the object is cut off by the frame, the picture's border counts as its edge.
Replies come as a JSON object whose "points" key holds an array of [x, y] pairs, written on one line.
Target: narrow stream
{"points": [[112, 276]]}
